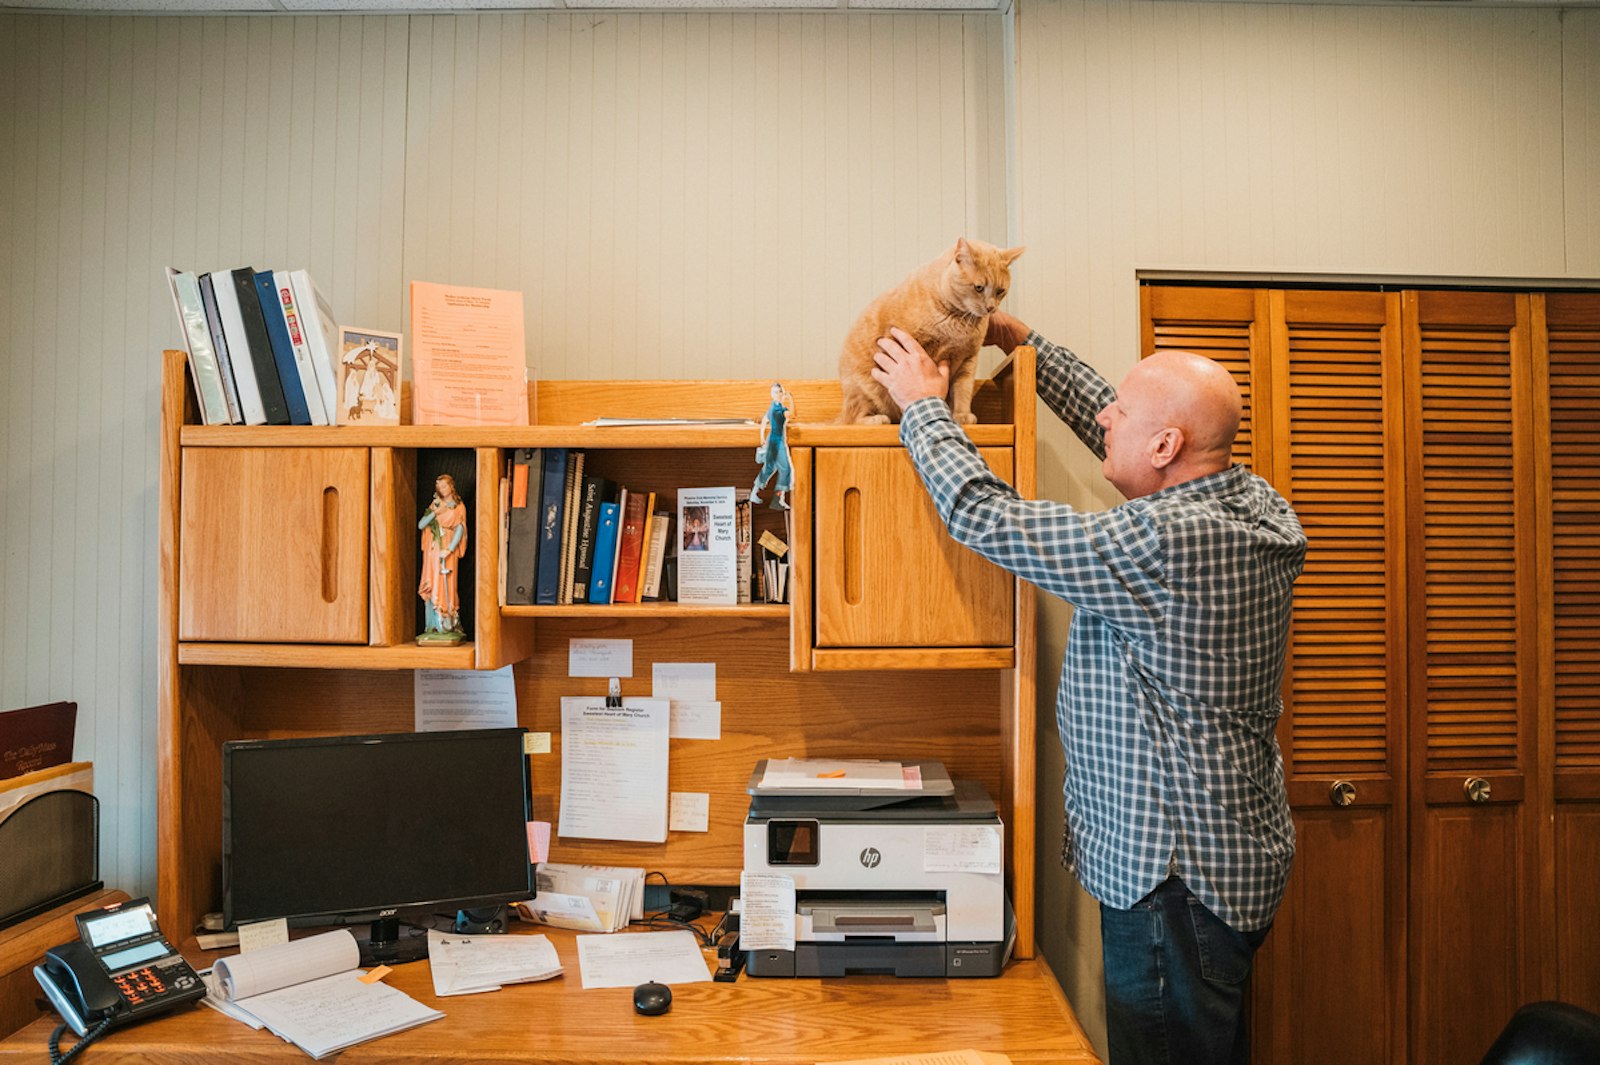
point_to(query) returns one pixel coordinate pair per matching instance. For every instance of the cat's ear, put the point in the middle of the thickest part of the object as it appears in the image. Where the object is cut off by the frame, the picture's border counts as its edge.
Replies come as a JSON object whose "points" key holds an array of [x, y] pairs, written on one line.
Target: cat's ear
{"points": [[1011, 255], [963, 252]]}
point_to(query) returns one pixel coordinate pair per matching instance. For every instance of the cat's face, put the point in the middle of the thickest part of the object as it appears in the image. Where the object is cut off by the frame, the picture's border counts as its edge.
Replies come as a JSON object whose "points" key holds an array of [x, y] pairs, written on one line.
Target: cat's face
{"points": [[980, 275]]}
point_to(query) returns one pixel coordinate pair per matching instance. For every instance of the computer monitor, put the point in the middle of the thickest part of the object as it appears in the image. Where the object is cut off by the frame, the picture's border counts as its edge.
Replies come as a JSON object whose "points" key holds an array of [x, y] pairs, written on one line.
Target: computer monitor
{"points": [[355, 829]]}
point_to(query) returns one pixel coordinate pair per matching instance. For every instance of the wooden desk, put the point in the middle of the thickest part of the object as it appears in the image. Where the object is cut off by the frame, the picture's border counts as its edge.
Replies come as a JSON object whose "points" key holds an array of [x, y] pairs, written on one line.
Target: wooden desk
{"points": [[768, 1021], [22, 946]]}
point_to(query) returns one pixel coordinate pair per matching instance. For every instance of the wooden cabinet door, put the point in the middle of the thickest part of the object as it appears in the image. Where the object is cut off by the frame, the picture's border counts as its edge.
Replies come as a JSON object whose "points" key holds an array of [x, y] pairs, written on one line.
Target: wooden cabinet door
{"points": [[887, 572], [1473, 687], [272, 545]]}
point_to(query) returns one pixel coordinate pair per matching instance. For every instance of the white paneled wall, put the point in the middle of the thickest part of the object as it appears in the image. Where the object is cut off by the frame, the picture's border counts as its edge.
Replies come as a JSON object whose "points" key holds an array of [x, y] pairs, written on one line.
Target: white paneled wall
{"points": [[677, 195], [1270, 139]]}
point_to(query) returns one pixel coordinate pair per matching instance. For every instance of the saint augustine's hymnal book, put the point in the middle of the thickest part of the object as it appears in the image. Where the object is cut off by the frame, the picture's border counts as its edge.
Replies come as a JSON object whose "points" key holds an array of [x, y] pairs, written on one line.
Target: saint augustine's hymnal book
{"points": [[708, 548], [310, 993]]}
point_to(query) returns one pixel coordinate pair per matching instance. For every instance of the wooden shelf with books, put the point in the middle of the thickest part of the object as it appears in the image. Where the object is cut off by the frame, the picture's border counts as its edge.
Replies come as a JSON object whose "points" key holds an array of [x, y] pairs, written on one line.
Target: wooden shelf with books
{"points": [[896, 642]]}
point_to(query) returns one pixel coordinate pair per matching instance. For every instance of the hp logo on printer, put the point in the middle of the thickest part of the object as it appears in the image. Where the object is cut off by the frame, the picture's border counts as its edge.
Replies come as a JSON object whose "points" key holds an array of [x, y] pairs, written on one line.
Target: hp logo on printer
{"points": [[870, 858]]}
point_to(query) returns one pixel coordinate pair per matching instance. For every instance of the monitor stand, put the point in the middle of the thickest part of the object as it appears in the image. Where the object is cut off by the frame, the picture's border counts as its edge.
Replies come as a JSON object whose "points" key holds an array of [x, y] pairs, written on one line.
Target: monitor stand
{"points": [[385, 945]]}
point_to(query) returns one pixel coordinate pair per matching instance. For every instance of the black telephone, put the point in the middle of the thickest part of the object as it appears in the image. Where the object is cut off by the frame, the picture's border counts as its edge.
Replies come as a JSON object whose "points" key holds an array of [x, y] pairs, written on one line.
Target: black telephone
{"points": [[121, 970]]}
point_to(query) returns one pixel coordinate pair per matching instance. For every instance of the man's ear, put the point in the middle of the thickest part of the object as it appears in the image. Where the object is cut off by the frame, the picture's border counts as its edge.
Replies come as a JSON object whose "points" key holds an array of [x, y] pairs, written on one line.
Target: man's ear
{"points": [[1168, 445]]}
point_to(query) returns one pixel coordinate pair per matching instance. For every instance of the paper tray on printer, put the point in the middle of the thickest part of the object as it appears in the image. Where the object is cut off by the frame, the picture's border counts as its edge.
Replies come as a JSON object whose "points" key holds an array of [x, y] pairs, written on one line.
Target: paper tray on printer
{"points": [[935, 782], [967, 801]]}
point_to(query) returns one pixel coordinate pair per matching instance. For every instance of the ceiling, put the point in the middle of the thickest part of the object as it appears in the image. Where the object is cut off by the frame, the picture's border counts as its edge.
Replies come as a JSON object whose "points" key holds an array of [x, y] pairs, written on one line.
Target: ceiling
{"points": [[292, 7]]}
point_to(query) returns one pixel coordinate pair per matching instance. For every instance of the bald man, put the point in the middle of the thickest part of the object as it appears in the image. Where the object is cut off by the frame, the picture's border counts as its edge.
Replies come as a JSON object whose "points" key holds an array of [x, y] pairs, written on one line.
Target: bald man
{"points": [[1177, 820]]}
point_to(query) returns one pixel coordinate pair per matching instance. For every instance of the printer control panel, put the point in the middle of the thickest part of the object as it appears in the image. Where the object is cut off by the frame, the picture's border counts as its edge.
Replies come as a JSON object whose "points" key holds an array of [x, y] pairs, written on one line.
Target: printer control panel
{"points": [[793, 841]]}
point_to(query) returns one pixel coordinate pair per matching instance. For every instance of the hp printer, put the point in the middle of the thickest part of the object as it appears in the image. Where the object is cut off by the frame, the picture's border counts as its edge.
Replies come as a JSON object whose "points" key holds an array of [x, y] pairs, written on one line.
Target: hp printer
{"points": [[896, 870]]}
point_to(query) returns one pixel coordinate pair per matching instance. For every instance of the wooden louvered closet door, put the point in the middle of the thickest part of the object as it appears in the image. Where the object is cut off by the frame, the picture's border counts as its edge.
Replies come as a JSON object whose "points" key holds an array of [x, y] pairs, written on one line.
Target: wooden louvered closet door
{"points": [[1567, 334], [1320, 373], [1473, 669]]}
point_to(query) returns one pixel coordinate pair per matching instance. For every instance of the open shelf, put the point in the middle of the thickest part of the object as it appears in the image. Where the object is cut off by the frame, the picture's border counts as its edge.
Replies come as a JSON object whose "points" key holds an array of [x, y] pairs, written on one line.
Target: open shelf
{"points": [[774, 611]]}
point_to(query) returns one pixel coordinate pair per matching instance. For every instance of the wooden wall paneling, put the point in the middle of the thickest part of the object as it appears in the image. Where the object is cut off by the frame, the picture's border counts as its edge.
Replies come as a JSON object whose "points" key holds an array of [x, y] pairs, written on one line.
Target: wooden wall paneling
{"points": [[766, 712], [1473, 710], [1331, 401], [1577, 848]]}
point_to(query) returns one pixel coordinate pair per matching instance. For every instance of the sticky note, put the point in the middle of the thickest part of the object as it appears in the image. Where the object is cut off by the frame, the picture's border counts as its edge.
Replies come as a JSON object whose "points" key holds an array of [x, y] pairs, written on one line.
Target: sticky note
{"points": [[536, 743], [689, 811], [375, 975], [263, 934], [538, 841]]}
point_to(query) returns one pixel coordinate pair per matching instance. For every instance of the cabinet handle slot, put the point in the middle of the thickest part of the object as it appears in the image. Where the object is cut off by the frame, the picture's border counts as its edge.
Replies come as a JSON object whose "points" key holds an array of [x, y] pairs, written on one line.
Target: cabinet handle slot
{"points": [[853, 547], [330, 544]]}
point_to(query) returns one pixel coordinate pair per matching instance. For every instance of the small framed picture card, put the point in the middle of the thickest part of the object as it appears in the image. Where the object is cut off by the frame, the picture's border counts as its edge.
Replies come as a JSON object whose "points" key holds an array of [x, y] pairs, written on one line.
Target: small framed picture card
{"points": [[369, 377]]}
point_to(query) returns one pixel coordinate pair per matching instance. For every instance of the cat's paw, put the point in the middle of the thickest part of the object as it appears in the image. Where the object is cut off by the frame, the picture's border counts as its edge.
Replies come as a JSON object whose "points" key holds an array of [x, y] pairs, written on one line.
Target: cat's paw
{"points": [[965, 418], [874, 419]]}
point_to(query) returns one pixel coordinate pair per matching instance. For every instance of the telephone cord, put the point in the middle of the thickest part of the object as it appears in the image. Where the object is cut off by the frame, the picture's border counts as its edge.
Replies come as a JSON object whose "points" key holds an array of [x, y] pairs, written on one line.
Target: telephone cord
{"points": [[58, 1058]]}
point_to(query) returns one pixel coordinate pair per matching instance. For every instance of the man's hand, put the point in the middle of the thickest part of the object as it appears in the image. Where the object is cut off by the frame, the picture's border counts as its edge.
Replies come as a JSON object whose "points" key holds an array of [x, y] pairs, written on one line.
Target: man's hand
{"points": [[1005, 332], [905, 370]]}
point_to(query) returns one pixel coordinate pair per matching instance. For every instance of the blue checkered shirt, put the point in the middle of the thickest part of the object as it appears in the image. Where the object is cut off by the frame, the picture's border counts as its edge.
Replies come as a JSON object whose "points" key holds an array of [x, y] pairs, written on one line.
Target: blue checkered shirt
{"points": [[1170, 686]]}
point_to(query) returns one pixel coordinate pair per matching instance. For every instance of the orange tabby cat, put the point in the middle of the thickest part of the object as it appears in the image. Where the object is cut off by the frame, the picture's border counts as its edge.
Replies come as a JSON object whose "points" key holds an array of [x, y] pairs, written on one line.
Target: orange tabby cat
{"points": [[946, 305]]}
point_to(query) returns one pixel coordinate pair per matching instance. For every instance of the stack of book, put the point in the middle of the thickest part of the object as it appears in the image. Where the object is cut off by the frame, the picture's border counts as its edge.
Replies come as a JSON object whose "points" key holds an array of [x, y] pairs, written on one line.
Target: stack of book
{"points": [[263, 346], [574, 536]]}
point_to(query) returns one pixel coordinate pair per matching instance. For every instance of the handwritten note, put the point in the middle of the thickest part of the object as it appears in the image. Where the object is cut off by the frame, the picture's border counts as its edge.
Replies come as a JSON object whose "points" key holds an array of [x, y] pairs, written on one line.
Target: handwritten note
{"points": [[263, 934], [689, 811], [600, 658]]}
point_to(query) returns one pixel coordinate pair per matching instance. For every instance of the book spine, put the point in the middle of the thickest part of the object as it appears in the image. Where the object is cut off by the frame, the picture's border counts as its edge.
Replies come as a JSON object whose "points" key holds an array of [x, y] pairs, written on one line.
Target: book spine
{"points": [[630, 542], [595, 491], [605, 549], [569, 529], [547, 585], [219, 343], [261, 358], [290, 307], [251, 406], [282, 351], [742, 519], [322, 338], [522, 532], [660, 534], [203, 366], [644, 546]]}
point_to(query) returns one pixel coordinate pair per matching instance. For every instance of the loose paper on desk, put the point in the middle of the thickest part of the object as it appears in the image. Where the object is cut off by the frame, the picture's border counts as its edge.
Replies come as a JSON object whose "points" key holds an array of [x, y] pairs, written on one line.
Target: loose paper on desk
{"points": [[961, 849], [448, 699], [637, 958], [599, 658], [811, 773], [614, 769], [469, 356], [467, 965], [766, 911]]}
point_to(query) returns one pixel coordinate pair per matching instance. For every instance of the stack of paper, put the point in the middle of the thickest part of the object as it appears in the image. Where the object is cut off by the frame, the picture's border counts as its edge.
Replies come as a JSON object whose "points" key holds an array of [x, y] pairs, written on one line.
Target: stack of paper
{"points": [[812, 773], [587, 898], [310, 992], [466, 965]]}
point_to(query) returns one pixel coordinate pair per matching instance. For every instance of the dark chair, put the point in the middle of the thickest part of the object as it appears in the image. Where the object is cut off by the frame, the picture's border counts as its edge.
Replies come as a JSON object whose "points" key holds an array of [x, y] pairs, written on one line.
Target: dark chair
{"points": [[1547, 1033]]}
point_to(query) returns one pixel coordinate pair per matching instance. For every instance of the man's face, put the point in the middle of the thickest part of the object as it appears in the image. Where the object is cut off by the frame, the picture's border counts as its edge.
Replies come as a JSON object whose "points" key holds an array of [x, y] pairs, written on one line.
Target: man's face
{"points": [[1132, 423]]}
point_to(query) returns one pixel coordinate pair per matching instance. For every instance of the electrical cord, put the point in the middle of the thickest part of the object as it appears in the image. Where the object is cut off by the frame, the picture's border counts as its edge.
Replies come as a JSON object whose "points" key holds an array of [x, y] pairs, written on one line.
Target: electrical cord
{"points": [[58, 1058]]}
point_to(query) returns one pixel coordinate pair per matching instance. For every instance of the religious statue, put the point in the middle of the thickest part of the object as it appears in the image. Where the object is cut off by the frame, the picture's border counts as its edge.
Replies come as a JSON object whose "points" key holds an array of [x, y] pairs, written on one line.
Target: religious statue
{"points": [[773, 451], [444, 542]]}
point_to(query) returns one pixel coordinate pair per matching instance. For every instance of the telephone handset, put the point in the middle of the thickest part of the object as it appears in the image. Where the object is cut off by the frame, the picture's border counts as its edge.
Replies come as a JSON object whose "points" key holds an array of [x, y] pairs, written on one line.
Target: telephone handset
{"points": [[121, 970]]}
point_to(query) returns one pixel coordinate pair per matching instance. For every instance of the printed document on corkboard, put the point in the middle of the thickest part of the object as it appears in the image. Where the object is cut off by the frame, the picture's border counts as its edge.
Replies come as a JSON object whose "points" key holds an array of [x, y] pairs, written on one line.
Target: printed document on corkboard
{"points": [[469, 356]]}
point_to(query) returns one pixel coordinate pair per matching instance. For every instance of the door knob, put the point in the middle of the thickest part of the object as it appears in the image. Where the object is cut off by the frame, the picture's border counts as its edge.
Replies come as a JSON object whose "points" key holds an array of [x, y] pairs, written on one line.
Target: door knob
{"points": [[1342, 793], [1476, 789]]}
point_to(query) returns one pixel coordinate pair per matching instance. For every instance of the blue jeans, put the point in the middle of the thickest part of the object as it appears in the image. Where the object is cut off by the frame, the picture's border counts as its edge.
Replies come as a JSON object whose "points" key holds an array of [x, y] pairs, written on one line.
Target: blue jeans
{"points": [[1177, 980]]}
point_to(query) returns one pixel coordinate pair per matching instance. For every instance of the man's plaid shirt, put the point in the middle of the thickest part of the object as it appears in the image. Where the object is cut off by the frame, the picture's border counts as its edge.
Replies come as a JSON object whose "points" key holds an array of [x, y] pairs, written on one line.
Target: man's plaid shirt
{"points": [[1170, 683]]}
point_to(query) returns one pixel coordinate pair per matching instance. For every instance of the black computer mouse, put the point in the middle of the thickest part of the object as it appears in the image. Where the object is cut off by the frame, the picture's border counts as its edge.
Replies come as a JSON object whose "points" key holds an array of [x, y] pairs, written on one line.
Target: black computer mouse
{"points": [[652, 998]]}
